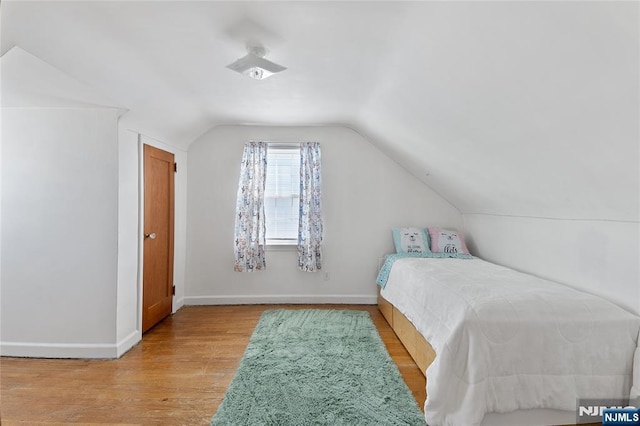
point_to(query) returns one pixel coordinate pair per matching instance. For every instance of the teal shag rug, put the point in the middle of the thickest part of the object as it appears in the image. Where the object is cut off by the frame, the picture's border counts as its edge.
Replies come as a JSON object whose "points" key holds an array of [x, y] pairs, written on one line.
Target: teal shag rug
{"points": [[317, 367]]}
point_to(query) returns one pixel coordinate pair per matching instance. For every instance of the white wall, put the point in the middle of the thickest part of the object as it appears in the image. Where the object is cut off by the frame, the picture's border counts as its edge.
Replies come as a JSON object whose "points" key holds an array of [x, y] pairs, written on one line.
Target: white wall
{"points": [[59, 231], [128, 287], [71, 191], [365, 194], [600, 257]]}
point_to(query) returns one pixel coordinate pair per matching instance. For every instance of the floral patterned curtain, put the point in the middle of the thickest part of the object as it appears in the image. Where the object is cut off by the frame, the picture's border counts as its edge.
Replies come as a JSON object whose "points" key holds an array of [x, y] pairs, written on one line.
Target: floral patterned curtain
{"points": [[250, 223], [310, 218]]}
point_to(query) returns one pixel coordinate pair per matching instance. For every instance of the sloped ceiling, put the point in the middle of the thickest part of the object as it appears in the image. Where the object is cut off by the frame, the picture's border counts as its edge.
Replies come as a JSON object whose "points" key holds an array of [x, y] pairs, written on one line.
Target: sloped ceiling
{"points": [[509, 108], [28, 81]]}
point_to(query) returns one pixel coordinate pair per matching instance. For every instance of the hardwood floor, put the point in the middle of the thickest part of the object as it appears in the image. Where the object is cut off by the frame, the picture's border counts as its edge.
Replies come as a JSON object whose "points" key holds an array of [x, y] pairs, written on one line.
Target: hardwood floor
{"points": [[177, 375]]}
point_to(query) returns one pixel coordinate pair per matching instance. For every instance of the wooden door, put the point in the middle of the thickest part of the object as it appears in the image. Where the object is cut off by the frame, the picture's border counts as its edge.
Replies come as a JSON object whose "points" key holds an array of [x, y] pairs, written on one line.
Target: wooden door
{"points": [[157, 279]]}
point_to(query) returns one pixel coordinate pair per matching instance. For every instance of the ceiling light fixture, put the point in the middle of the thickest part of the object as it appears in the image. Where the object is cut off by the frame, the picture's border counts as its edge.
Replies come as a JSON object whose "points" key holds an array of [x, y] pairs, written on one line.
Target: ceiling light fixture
{"points": [[254, 65]]}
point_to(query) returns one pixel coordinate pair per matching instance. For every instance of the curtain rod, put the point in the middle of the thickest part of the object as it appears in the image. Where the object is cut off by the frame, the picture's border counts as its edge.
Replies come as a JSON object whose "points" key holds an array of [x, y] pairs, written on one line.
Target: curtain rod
{"points": [[283, 145], [279, 142]]}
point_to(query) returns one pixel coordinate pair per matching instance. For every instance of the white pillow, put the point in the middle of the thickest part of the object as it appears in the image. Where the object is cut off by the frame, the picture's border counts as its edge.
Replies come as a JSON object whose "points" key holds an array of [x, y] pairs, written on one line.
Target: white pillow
{"points": [[410, 240], [447, 241]]}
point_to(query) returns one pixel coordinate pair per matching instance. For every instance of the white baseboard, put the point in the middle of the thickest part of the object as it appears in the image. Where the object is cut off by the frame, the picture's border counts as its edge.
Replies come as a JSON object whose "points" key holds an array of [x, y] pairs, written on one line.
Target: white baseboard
{"points": [[59, 350], [355, 299], [128, 342], [178, 304], [70, 350], [113, 350]]}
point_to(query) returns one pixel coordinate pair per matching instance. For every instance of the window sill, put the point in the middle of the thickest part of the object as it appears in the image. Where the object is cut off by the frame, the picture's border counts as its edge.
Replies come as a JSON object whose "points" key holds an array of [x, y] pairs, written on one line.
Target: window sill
{"points": [[281, 247]]}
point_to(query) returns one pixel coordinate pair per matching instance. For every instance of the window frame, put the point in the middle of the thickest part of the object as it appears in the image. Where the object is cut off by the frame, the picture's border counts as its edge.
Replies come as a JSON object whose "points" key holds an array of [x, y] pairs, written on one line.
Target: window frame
{"points": [[284, 243]]}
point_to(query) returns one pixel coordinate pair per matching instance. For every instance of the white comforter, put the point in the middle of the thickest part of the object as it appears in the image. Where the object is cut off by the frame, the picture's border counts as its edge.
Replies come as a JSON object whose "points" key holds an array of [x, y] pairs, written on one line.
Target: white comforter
{"points": [[506, 340]]}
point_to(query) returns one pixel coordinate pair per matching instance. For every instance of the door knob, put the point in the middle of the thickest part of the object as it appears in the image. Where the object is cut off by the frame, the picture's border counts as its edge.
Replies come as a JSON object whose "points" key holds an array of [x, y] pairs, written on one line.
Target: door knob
{"points": [[151, 235]]}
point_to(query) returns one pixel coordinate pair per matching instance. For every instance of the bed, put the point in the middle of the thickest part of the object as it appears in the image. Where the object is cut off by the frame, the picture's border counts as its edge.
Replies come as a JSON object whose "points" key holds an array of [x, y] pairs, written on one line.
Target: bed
{"points": [[492, 341]]}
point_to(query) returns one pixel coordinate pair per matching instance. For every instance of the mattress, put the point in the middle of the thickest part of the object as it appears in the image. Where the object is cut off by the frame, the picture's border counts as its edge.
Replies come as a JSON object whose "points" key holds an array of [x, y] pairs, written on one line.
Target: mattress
{"points": [[509, 341]]}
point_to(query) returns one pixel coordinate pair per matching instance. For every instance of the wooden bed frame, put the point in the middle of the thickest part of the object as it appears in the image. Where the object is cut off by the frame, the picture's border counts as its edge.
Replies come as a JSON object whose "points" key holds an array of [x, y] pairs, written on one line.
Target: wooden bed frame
{"points": [[417, 346]]}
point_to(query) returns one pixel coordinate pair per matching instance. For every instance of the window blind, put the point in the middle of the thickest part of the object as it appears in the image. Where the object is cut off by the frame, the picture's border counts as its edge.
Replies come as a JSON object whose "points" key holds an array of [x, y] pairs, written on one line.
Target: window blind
{"points": [[282, 195]]}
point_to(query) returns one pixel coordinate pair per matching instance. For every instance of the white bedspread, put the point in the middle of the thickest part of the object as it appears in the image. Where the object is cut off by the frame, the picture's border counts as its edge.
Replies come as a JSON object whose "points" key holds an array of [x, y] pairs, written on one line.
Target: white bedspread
{"points": [[506, 340]]}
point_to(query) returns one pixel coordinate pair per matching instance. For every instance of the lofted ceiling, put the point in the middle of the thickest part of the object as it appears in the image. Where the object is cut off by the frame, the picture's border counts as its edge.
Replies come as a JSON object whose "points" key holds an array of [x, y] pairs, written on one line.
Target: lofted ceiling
{"points": [[508, 108]]}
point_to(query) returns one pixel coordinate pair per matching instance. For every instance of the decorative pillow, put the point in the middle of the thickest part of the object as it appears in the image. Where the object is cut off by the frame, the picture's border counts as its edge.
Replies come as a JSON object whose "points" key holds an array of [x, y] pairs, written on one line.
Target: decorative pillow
{"points": [[447, 241], [411, 240]]}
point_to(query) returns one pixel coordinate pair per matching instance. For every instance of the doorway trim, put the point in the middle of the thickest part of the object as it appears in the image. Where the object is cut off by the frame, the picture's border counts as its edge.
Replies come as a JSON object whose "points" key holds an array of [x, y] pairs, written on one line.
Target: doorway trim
{"points": [[142, 141]]}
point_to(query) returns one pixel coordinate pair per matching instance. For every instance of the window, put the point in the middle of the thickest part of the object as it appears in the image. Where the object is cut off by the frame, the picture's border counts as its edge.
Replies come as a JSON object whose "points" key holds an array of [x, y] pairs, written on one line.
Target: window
{"points": [[280, 181], [282, 194]]}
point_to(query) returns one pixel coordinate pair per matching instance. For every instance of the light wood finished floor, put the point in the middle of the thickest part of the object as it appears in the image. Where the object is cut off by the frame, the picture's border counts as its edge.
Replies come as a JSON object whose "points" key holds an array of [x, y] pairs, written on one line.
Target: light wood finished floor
{"points": [[177, 375]]}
